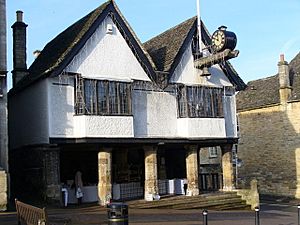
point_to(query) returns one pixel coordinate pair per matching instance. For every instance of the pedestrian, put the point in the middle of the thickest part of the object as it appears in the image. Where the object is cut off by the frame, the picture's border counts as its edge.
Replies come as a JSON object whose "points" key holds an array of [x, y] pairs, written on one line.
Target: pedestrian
{"points": [[78, 186]]}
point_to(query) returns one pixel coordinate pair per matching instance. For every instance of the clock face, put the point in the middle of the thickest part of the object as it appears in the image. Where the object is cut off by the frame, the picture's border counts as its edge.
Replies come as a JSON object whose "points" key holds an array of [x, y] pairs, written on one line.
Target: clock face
{"points": [[218, 40]]}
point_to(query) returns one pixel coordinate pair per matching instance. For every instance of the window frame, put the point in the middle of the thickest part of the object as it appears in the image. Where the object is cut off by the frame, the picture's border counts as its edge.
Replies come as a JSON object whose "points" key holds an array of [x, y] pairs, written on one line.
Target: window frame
{"points": [[213, 152], [109, 104], [200, 102]]}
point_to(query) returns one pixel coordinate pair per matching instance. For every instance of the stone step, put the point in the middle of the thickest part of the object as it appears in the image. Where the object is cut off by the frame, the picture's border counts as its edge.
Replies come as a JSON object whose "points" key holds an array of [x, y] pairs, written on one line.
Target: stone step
{"points": [[216, 200], [169, 201], [236, 206], [210, 204]]}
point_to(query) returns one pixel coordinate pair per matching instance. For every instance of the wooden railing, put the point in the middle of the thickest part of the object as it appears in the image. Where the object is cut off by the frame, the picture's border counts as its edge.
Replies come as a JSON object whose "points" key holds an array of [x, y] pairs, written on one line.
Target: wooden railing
{"points": [[30, 215]]}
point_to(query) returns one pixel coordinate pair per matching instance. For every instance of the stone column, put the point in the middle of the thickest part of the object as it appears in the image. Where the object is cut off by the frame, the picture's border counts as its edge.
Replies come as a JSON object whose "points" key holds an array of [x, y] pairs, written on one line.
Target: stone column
{"points": [[228, 184], [192, 170], [104, 173], [52, 173], [151, 182], [3, 191]]}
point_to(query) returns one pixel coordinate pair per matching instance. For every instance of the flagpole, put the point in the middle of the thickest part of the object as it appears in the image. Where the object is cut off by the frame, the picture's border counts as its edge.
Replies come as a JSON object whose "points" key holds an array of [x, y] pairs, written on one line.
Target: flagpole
{"points": [[199, 25]]}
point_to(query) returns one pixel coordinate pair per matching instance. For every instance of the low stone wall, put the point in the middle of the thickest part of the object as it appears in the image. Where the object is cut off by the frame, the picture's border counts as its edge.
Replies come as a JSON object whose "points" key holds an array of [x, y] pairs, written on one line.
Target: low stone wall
{"points": [[3, 191], [250, 195]]}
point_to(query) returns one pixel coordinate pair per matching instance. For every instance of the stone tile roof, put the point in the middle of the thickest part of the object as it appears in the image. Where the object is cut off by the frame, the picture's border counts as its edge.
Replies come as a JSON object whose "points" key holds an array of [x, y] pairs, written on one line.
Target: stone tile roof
{"points": [[264, 92], [164, 48], [259, 93]]}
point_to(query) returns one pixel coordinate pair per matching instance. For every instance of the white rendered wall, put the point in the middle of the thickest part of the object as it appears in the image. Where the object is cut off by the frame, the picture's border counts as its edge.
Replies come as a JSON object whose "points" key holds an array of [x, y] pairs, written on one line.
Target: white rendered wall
{"points": [[61, 106], [201, 127], [109, 126], [155, 114], [65, 124], [186, 73], [107, 56], [28, 116]]}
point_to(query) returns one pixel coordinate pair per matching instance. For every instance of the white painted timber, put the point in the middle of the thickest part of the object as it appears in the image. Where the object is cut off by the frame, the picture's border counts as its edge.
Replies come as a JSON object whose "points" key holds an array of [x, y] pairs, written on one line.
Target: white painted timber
{"points": [[107, 56], [230, 116], [29, 116], [186, 73]]}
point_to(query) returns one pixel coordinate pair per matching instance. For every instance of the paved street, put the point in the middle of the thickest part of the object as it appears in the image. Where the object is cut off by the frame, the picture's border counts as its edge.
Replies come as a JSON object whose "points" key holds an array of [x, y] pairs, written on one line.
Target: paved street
{"points": [[270, 215]]}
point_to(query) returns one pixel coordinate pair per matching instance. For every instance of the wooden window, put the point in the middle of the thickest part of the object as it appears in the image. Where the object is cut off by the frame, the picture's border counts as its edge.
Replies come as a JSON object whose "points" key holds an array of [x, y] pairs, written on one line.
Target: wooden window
{"points": [[200, 102], [90, 97], [182, 102], [113, 98], [213, 152], [104, 97], [102, 90], [125, 98]]}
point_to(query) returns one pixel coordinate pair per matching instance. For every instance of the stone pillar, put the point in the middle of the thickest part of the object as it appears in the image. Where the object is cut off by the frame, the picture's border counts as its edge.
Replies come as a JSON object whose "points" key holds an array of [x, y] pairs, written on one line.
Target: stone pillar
{"points": [[104, 173], [228, 184], [52, 173], [151, 183], [192, 170], [3, 191]]}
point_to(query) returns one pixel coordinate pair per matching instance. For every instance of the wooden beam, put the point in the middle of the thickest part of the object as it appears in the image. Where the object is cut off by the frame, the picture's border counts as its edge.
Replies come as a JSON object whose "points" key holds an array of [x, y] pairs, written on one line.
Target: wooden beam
{"points": [[215, 58]]}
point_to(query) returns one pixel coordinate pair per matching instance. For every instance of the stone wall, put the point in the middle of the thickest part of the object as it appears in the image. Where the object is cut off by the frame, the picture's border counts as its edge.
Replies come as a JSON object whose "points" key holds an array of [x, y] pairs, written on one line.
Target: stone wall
{"points": [[270, 148]]}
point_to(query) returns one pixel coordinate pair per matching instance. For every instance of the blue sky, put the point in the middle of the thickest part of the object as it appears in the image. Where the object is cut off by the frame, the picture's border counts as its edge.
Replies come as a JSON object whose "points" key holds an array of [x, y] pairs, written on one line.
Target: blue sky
{"points": [[264, 28]]}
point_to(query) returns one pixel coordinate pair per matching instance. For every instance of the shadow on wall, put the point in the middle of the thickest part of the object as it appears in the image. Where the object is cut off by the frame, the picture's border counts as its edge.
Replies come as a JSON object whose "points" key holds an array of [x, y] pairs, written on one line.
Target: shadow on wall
{"points": [[270, 149]]}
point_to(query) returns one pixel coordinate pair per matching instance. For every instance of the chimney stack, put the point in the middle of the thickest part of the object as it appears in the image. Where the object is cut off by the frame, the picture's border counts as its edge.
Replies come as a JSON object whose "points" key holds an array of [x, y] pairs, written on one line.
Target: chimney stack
{"points": [[284, 80], [19, 49], [3, 43]]}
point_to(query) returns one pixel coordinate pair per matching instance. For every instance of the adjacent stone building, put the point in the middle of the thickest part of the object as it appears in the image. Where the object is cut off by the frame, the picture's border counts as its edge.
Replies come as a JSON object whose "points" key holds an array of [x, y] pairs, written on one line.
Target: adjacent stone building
{"points": [[131, 116], [269, 121], [3, 109]]}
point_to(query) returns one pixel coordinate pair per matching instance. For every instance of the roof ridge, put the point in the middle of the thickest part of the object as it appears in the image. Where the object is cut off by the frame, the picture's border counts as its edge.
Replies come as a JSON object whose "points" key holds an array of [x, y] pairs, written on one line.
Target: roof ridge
{"points": [[264, 78], [170, 29]]}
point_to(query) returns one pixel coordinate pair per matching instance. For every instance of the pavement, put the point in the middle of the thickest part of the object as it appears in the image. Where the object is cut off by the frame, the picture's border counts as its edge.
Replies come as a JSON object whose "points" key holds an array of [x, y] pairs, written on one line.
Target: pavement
{"points": [[271, 213]]}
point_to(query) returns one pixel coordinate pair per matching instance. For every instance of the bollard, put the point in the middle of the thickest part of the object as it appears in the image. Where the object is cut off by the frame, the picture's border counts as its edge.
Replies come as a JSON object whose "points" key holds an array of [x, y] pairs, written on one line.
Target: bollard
{"points": [[117, 213], [298, 214], [256, 215], [204, 213]]}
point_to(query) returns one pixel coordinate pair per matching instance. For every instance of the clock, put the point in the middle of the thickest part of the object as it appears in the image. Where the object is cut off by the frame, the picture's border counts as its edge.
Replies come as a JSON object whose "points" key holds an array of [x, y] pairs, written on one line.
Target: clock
{"points": [[223, 39]]}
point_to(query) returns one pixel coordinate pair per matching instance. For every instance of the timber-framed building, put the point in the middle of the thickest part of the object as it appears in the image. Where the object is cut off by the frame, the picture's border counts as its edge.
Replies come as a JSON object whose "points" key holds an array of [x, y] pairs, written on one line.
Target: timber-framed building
{"points": [[133, 117]]}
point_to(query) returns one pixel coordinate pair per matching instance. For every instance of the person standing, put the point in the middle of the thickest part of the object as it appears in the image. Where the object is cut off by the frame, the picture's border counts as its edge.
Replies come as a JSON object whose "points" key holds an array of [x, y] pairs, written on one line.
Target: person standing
{"points": [[78, 186]]}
